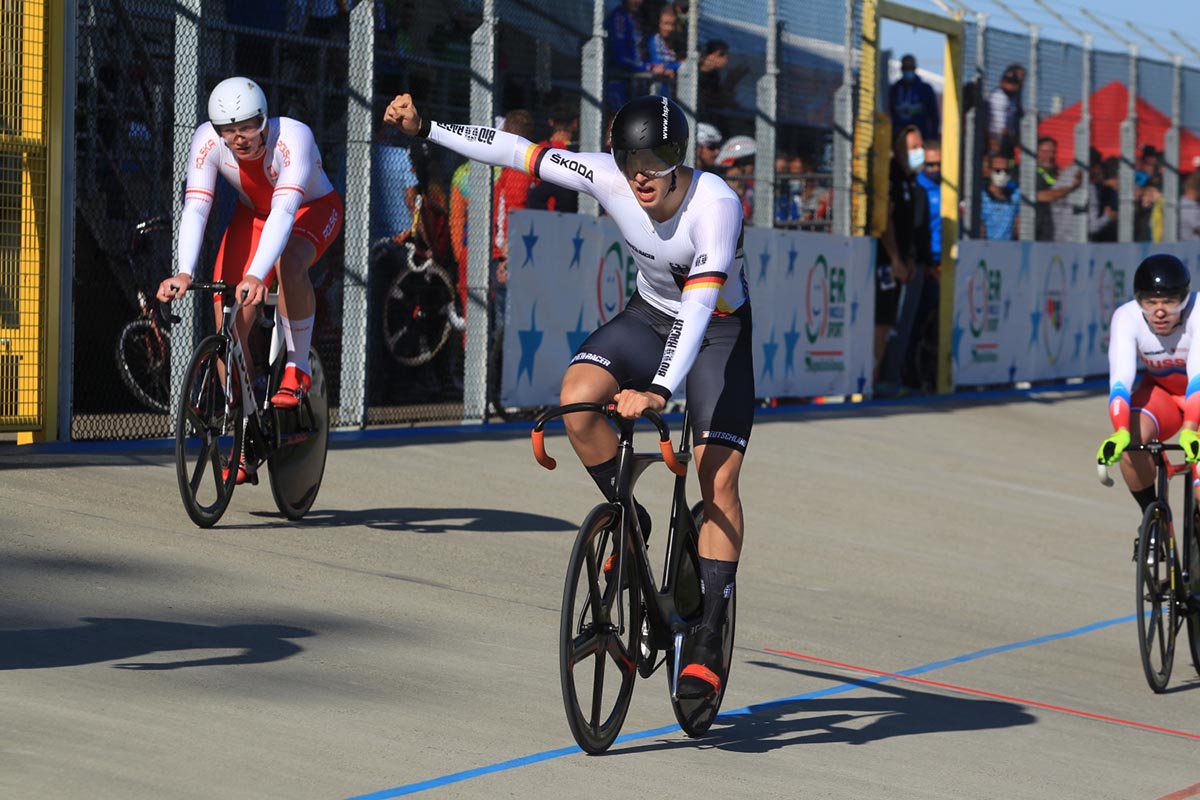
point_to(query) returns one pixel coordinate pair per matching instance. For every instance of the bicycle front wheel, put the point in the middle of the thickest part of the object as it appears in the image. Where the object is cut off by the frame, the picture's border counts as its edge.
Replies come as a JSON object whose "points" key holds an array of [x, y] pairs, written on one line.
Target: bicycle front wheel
{"points": [[1156, 611], [144, 359], [598, 632], [696, 715], [208, 436]]}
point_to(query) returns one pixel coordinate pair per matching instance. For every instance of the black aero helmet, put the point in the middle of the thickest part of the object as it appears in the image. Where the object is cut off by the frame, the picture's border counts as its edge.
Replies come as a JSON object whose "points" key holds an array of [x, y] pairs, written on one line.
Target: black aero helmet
{"points": [[650, 136], [1161, 275]]}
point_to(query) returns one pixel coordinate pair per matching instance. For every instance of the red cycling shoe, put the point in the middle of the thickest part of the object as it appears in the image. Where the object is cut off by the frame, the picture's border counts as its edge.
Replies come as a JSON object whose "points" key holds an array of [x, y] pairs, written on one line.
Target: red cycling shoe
{"points": [[294, 386]]}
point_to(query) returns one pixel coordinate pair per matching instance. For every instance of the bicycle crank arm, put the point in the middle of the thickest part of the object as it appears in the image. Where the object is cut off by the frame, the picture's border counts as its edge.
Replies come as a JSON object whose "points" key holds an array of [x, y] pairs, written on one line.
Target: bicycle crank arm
{"points": [[677, 666]]}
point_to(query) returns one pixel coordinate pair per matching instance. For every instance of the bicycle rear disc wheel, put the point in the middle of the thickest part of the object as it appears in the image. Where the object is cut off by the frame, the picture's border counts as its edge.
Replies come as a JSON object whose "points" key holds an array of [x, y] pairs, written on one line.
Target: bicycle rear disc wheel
{"points": [[1191, 564], [144, 358], [597, 656], [296, 468], [208, 436], [416, 319], [1156, 611], [696, 716]]}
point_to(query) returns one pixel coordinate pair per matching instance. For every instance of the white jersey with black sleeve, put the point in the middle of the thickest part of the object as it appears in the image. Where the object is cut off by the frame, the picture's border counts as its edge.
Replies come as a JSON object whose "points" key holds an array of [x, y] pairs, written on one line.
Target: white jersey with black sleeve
{"points": [[691, 266]]}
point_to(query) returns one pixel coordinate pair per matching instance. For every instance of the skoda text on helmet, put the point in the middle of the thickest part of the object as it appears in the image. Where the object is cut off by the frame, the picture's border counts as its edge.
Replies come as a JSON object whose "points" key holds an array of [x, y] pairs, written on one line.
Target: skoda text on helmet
{"points": [[1161, 275], [649, 136], [237, 100]]}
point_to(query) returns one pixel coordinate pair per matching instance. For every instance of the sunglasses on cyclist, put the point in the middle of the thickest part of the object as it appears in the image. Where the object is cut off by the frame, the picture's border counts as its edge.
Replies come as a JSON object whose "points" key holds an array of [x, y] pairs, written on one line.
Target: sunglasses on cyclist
{"points": [[654, 162]]}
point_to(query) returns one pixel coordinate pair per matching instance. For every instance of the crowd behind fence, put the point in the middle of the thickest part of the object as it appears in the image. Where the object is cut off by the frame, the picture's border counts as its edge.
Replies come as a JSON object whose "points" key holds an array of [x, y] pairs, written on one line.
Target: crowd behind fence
{"points": [[779, 82]]}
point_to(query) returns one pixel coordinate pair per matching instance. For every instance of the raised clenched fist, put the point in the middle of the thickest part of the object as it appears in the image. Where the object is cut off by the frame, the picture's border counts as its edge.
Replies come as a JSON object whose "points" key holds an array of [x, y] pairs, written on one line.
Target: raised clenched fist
{"points": [[403, 114]]}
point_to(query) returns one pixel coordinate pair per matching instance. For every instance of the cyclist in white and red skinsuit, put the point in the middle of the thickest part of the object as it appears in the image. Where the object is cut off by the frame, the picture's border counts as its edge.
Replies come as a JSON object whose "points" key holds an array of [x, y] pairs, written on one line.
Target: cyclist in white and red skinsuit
{"points": [[690, 319], [287, 216], [1156, 331]]}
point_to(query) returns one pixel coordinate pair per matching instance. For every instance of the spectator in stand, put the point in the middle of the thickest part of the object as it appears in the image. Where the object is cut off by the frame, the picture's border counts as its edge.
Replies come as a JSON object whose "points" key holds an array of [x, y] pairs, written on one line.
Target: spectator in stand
{"points": [[1189, 209], [393, 184], [627, 55], [911, 101], [679, 37], [1053, 190], [1102, 202], [460, 197], [1000, 200], [564, 125], [708, 144], [716, 91], [1148, 208], [510, 193], [1004, 112], [736, 160], [903, 255], [662, 54], [930, 178]]}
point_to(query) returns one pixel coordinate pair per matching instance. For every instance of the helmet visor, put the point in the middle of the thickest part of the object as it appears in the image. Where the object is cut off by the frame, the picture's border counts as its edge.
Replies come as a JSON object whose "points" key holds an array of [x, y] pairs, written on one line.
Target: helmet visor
{"points": [[246, 128], [654, 162], [1172, 303]]}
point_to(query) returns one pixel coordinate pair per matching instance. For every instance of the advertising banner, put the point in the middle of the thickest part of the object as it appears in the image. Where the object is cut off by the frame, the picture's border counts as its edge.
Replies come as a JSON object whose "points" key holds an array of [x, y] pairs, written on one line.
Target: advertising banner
{"points": [[812, 296]]}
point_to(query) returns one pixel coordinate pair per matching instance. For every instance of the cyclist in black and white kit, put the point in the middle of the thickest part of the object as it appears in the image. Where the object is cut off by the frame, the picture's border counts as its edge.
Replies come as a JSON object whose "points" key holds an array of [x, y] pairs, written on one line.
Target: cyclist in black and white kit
{"points": [[689, 319]]}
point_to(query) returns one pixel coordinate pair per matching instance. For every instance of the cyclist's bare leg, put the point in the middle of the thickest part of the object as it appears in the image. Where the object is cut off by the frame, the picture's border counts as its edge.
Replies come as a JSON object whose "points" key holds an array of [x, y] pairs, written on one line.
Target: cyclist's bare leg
{"points": [[718, 469], [590, 434], [1137, 468], [296, 297]]}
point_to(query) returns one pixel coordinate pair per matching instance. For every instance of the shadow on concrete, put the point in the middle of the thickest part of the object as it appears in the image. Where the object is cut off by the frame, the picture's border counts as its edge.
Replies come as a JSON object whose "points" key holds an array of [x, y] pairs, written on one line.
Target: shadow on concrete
{"points": [[890, 711], [101, 639]]}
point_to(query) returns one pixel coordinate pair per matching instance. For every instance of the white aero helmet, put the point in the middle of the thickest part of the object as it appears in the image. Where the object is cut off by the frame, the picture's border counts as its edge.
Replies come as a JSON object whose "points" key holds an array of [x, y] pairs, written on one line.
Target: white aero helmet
{"points": [[237, 100], [707, 135], [736, 149]]}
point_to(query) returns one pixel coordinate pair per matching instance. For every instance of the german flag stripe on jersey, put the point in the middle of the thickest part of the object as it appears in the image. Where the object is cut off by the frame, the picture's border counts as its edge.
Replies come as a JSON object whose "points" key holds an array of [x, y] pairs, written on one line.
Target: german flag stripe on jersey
{"points": [[705, 280], [533, 158]]}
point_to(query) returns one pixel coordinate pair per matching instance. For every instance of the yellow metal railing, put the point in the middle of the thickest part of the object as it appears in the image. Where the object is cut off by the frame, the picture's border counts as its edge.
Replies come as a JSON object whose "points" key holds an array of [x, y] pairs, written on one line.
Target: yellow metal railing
{"points": [[24, 182]]}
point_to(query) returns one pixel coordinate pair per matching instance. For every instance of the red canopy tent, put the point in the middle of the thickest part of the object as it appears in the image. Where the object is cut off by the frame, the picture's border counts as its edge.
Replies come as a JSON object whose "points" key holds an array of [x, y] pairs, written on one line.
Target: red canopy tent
{"points": [[1110, 104]]}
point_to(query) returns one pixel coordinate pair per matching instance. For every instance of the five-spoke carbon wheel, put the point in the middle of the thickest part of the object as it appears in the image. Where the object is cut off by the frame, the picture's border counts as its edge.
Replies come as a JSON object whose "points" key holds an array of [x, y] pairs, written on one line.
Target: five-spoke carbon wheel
{"points": [[598, 632], [208, 436], [1156, 609]]}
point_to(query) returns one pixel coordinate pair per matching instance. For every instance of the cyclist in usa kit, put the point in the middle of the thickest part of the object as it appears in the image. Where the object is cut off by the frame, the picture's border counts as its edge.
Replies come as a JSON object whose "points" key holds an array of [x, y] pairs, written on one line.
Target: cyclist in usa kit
{"points": [[287, 216], [688, 320], [1157, 331]]}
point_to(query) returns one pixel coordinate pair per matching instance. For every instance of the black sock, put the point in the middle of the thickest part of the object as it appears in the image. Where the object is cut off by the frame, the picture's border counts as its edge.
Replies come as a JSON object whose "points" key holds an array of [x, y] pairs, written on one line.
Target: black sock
{"points": [[1145, 497], [716, 584], [605, 476]]}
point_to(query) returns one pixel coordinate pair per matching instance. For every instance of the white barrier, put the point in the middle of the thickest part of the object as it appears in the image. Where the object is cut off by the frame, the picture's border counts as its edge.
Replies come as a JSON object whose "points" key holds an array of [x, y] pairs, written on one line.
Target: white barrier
{"points": [[1031, 311], [812, 295]]}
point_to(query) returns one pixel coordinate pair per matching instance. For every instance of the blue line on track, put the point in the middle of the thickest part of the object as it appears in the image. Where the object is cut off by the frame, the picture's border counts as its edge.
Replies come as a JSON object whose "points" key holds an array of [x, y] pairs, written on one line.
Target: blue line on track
{"points": [[841, 688]]}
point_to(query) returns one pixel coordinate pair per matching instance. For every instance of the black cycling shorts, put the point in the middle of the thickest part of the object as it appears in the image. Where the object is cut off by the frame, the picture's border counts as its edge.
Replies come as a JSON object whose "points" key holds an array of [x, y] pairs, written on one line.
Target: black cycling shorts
{"points": [[720, 384]]}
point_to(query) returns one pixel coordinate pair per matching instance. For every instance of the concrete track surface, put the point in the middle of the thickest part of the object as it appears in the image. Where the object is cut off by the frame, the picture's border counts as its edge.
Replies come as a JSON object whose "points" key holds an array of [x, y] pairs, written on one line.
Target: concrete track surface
{"points": [[936, 601]]}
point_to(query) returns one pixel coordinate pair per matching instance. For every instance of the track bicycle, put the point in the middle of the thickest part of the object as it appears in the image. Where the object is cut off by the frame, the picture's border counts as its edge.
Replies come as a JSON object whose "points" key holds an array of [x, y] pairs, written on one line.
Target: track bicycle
{"points": [[221, 425], [143, 351], [1167, 567], [615, 617]]}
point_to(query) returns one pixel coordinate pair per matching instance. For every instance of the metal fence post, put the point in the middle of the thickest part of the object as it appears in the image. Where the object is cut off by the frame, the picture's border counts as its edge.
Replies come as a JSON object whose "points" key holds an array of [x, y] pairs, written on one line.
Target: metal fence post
{"points": [[843, 134], [766, 100], [1029, 137], [1171, 164], [479, 221], [1128, 154], [188, 19], [591, 111], [687, 81], [357, 230]]}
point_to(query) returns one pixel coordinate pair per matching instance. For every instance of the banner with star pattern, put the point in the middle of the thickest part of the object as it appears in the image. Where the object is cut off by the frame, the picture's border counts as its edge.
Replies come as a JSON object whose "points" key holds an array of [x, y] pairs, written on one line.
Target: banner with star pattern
{"points": [[812, 295]]}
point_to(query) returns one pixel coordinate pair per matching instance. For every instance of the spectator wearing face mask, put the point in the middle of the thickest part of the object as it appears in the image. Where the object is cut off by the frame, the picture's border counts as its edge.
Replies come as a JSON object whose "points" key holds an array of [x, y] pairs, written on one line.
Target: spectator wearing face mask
{"points": [[1001, 200], [911, 101], [902, 258]]}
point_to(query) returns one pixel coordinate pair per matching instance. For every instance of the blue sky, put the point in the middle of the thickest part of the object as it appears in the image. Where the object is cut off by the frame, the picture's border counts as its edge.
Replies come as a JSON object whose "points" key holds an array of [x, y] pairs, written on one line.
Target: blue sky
{"points": [[1156, 18]]}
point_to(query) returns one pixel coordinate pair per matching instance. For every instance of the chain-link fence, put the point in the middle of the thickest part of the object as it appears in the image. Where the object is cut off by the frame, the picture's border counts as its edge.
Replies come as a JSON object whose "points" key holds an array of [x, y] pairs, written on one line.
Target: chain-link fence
{"points": [[406, 344]]}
